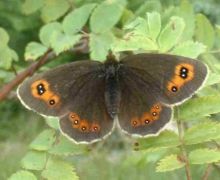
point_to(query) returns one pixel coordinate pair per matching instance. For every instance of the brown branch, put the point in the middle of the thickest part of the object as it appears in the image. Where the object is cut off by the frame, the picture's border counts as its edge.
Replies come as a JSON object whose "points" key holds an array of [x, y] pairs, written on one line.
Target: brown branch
{"points": [[80, 47], [5, 90]]}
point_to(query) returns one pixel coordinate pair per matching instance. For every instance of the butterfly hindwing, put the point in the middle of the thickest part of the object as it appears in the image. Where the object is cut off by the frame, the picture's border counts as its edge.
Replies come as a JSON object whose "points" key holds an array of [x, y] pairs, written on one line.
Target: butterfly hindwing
{"points": [[141, 111], [88, 119]]}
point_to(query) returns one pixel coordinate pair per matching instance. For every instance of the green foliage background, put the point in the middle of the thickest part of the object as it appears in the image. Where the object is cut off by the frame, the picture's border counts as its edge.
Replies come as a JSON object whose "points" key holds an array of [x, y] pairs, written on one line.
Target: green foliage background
{"points": [[33, 148]]}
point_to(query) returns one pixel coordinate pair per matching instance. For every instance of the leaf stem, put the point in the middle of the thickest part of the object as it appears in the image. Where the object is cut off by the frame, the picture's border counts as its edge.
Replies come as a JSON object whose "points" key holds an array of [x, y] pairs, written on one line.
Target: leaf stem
{"points": [[207, 172], [182, 147]]}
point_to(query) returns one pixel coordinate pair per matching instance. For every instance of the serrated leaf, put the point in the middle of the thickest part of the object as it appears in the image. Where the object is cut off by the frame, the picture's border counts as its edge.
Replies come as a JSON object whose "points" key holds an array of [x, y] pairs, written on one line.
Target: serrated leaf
{"points": [[166, 139], [54, 9], [204, 31], [213, 78], [154, 24], [57, 169], [133, 43], [169, 163], [34, 50], [105, 16], [138, 27], [212, 62], [189, 49], [61, 42], [47, 31], [23, 175], [34, 160], [148, 6], [204, 156], [99, 45], [4, 37], [30, 6], [44, 140], [53, 122], [199, 107], [74, 21], [65, 147], [186, 12], [195, 134], [171, 33]]}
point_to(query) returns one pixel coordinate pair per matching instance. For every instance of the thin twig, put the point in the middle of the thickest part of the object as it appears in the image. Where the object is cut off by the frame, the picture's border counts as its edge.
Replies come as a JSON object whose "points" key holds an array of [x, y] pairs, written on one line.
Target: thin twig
{"points": [[5, 90], [207, 172], [81, 47], [182, 148]]}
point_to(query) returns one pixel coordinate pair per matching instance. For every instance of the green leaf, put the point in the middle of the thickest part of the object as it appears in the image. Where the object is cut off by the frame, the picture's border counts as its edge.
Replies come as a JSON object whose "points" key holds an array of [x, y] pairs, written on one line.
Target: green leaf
{"points": [[138, 27], [54, 9], [199, 107], [213, 78], [166, 139], [30, 6], [53, 122], [34, 50], [186, 12], [189, 49], [99, 45], [47, 32], [4, 37], [133, 43], [195, 134], [74, 21], [57, 169], [204, 156], [105, 16], [171, 34], [154, 24], [148, 6], [212, 62], [204, 31], [169, 163], [7, 55], [61, 42], [65, 147], [34, 160], [23, 175], [44, 140]]}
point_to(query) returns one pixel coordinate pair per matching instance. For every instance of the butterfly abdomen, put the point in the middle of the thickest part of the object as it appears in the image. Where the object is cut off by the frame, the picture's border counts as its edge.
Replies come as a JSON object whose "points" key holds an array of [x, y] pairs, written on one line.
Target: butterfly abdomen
{"points": [[112, 91]]}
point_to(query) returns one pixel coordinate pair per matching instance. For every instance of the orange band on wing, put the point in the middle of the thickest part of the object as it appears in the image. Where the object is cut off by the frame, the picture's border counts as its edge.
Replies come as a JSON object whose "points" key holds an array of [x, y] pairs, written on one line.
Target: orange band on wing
{"points": [[147, 117], [183, 73], [41, 89], [83, 125]]}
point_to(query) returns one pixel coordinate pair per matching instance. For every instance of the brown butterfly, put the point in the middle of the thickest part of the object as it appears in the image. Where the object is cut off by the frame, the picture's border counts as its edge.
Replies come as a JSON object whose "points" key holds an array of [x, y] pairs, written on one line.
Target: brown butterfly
{"points": [[88, 95]]}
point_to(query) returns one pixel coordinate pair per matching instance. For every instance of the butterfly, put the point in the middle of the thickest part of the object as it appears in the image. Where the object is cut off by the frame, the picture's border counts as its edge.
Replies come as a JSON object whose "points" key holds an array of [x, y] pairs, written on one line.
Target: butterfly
{"points": [[136, 93]]}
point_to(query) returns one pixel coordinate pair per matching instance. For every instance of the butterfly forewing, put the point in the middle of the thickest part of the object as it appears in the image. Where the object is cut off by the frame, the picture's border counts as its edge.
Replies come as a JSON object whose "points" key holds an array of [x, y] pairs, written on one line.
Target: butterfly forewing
{"points": [[173, 78], [49, 93]]}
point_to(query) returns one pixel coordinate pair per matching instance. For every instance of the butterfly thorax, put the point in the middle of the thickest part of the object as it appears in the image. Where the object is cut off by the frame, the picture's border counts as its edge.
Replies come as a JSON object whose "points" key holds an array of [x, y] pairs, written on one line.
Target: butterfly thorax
{"points": [[112, 89]]}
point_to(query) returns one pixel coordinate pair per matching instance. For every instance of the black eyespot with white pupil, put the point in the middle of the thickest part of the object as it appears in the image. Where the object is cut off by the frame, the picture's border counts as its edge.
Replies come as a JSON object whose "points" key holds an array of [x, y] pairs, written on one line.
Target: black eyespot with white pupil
{"points": [[183, 72], [146, 121], [154, 113], [52, 102], [174, 89], [76, 122], [40, 89], [83, 128], [95, 128]]}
